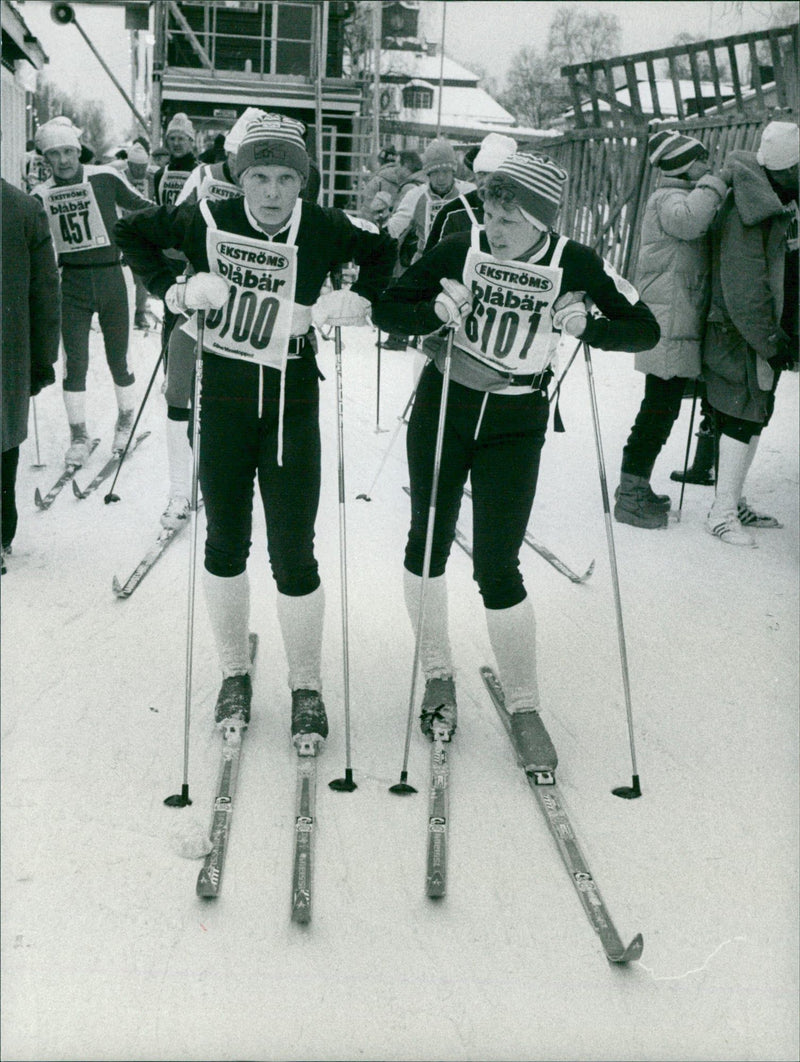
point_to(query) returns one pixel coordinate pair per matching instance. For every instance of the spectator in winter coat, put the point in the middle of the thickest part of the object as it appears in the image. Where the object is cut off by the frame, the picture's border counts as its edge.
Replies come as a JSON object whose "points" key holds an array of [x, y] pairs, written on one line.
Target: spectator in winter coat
{"points": [[31, 331], [389, 178], [179, 140], [135, 170], [82, 204], [259, 262], [673, 279], [752, 334], [508, 290]]}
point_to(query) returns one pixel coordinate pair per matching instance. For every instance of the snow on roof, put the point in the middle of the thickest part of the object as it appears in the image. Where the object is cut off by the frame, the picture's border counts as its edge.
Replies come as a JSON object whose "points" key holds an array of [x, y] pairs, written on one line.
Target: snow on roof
{"points": [[460, 106], [427, 67], [666, 96]]}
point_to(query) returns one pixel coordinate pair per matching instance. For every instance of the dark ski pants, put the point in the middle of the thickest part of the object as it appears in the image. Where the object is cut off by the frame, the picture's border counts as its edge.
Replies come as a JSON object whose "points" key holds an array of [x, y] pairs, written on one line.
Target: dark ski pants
{"points": [[8, 502], [503, 465], [657, 414], [85, 291], [239, 442]]}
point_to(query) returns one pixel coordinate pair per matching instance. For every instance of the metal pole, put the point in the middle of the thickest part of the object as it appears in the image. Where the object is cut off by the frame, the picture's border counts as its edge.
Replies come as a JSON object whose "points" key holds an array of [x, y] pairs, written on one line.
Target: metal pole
{"points": [[402, 787], [634, 790], [688, 447], [180, 800], [107, 69], [320, 13], [441, 71], [38, 464], [401, 420]]}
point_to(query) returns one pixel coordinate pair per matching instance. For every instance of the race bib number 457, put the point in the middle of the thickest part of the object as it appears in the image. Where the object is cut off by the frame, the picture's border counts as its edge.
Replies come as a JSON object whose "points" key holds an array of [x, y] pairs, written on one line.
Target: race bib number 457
{"points": [[75, 220]]}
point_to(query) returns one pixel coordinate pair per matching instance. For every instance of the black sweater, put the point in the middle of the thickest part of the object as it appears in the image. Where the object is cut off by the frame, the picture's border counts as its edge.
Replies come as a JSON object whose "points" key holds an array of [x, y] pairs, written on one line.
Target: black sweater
{"points": [[406, 307], [326, 239]]}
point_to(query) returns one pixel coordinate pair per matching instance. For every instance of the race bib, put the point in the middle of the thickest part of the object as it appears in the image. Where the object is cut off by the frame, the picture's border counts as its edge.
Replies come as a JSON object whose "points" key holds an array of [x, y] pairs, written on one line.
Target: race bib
{"points": [[214, 188], [510, 326], [171, 184], [255, 324], [75, 220]]}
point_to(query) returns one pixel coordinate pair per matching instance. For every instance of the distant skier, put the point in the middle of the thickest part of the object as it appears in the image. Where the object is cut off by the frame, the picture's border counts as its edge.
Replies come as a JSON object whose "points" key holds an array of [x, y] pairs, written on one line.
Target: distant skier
{"points": [[260, 263], [179, 140], [82, 203], [509, 290]]}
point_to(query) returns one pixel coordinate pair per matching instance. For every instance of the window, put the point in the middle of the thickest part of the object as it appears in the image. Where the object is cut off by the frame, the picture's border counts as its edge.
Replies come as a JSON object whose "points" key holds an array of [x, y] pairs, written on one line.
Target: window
{"points": [[418, 97]]}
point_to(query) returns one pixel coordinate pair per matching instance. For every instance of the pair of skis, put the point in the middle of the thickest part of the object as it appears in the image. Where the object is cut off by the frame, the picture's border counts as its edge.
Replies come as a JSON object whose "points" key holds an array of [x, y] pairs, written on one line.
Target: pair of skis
{"points": [[543, 784], [44, 502], [209, 880]]}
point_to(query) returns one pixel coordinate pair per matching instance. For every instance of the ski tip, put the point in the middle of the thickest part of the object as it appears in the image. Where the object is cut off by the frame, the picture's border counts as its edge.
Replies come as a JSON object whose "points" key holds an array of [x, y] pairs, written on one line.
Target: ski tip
{"points": [[117, 587], [632, 953], [39, 500]]}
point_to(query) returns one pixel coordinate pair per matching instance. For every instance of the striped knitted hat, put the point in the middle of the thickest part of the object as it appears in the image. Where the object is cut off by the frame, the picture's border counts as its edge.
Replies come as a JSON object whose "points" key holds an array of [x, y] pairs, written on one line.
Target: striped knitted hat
{"points": [[538, 186], [673, 152], [273, 140]]}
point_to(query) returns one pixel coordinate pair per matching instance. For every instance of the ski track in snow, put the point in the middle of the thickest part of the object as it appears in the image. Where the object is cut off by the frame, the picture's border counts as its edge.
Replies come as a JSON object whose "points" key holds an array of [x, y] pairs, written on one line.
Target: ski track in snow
{"points": [[107, 953]]}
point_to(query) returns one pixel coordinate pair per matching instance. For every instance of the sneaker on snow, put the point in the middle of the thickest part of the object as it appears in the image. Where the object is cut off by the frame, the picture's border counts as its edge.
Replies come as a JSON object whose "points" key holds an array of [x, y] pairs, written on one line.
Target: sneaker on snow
{"points": [[532, 742], [233, 700], [727, 527], [176, 513], [750, 518], [79, 449], [122, 429], [308, 715], [439, 707]]}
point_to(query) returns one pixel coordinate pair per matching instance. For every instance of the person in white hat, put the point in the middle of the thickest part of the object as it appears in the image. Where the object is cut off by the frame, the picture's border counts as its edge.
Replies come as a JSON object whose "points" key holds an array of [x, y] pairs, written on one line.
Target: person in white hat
{"points": [[509, 291], [179, 140], [82, 203], [260, 261], [467, 208], [752, 331]]}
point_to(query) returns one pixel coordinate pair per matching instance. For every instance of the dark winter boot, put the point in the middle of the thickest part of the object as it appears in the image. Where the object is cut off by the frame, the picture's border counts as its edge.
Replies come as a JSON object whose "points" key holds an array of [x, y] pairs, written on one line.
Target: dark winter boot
{"points": [[634, 506], [701, 471], [439, 707], [233, 701], [532, 742], [658, 501], [308, 717]]}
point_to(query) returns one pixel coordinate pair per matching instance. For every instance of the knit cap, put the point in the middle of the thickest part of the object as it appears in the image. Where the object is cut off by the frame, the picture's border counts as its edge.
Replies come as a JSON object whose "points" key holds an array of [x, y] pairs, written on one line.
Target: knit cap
{"points": [[493, 150], [180, 124], [539, 186], [673, 152], [237, 130], [438, 153], [137, 155], [780, 146], [273, 140], [57, 133]]}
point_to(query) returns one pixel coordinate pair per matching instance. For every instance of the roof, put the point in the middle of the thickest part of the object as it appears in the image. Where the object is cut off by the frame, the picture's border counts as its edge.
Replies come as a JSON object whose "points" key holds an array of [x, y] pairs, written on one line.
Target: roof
{"points": [[15, 27], [407, 64]]}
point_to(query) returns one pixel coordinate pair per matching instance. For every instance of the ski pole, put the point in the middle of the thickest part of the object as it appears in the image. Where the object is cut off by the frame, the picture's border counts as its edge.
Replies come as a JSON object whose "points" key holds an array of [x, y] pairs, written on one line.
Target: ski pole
{"points": [[688, 447], [346, 784], [401, 420], [402, 787], [180, 800], [561, 378], [378, 429], [633, 790], [111, 496], [38, 464]]}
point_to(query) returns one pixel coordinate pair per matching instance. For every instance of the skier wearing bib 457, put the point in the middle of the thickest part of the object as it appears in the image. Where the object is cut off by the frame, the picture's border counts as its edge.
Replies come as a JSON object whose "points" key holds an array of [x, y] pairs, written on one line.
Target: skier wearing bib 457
{"points": [[508, 290], [259, 264], [82, 204]]}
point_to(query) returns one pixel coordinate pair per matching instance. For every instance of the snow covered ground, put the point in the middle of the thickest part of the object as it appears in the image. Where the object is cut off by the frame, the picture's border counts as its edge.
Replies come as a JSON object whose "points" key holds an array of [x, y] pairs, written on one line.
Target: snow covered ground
{"points": [[106, 951]]}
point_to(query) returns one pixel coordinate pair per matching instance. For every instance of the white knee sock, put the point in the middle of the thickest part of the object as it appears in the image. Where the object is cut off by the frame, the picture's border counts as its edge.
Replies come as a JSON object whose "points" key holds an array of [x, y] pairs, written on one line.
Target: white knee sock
{"points": [[179, 458], [435, 657], [125, 397], [301, 620], [75, 402], [228, 602], [734, 461], [512, 632]]}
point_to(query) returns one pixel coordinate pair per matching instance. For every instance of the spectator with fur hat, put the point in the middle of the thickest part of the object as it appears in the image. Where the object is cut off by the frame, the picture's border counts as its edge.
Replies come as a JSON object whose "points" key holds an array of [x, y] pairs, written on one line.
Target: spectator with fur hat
{"points": [[508, 290], [260, 261], [752, 331], [673, 278]]}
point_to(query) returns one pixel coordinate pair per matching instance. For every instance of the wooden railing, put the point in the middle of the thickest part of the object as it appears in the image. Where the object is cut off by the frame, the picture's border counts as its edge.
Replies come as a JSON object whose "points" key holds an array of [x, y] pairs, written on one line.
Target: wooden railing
{"points": [[593, 83]]}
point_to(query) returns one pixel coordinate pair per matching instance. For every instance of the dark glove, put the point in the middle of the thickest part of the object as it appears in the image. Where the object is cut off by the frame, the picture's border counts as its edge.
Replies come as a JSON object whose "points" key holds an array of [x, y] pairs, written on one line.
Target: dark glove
{"points": [[40, 379], [786, 356]]}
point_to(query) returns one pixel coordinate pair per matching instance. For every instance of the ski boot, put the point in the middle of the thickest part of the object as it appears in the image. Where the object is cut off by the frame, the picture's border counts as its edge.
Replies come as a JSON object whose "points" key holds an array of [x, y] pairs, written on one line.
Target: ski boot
{"points": [[176, 513], [122, 430], [727, 527], [233, 701], [532, 742], [439, 707], [309, 721], [80, 447]]}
